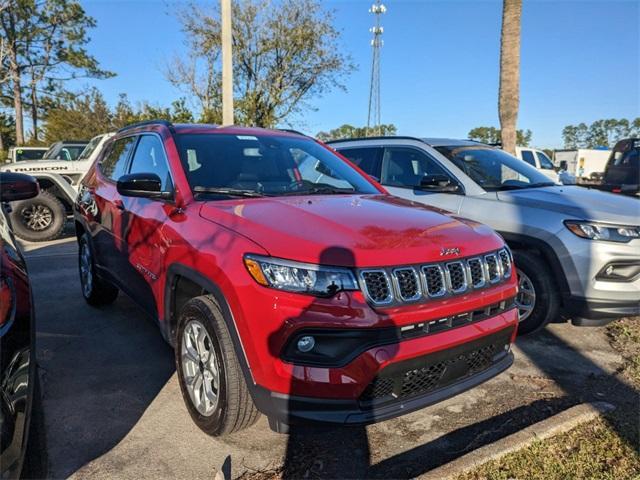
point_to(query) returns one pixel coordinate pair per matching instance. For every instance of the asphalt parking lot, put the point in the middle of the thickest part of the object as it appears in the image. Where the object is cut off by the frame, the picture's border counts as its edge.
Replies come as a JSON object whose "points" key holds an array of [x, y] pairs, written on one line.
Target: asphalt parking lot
{"points": [[113, 409]]}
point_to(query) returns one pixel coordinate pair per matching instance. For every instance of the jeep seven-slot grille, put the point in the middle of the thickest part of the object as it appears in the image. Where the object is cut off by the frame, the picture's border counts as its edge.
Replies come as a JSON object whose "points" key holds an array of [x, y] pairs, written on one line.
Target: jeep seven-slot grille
{"points": [[389, 285], [422, 375]]}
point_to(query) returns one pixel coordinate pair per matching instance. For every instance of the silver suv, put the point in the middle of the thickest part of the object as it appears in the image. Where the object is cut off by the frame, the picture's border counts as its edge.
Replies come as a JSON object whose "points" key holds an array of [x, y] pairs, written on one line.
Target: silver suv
{"points": [[577, 251]]}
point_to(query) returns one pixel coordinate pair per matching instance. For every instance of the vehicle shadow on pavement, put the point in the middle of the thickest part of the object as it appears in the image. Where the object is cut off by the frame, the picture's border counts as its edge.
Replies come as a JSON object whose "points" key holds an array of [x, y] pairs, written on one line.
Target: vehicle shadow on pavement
{"points": [[558, 361], [100, 367]]}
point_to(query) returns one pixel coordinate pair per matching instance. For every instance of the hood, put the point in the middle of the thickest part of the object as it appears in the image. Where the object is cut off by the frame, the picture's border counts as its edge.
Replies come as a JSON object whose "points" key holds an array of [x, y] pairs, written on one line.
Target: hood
{"points": [[351, 230], [578, 203], [55, 166]]}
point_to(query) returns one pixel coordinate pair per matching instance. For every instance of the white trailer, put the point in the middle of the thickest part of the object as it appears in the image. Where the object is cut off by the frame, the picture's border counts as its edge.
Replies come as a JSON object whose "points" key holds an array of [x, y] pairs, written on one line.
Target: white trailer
{"points": [[583, 162]]}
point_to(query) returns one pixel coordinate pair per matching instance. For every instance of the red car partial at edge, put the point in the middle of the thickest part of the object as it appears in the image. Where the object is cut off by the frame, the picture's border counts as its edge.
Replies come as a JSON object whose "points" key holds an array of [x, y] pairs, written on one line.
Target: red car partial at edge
{"points": [[287, 280]]}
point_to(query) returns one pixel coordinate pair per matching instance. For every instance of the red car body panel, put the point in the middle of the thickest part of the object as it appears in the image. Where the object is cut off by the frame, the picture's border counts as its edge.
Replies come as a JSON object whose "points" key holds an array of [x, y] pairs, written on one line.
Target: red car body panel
{"points": [[153, 238]]}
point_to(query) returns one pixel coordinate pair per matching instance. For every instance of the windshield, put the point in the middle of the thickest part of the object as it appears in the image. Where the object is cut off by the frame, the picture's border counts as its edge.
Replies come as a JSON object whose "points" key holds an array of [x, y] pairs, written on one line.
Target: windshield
{"points": [[88, 150], [494, 169], [59, 151], [248, 165]]}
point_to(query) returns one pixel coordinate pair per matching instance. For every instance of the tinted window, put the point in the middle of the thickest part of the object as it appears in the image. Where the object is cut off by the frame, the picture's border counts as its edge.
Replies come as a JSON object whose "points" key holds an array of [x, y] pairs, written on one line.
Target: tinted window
{"points": [[365, 158], [545, 162], [494, 169], [527, 156], [88, 150], [405, 167], [29, 154], [268, 165], [150, 158], [115, 163]]}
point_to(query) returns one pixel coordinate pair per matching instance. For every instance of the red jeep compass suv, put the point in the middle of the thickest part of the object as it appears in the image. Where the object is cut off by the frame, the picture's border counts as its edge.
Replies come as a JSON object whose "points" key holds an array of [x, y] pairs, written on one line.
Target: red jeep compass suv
{"points": [[288, 281]]}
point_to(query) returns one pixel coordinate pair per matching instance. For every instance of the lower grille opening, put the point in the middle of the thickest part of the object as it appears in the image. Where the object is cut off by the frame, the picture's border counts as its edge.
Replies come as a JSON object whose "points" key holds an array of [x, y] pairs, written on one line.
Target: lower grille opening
{"points": [[431, 372]]}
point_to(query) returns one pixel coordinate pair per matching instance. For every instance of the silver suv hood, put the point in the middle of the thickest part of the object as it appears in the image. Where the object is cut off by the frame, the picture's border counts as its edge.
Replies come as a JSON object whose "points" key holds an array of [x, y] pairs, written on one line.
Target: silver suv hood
{"points": [[578, 203]]}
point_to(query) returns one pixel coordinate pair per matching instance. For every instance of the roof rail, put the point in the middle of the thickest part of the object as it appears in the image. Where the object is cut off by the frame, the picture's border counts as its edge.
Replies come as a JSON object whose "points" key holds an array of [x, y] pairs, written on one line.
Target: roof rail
{"points": [[166, 123], [382, 137], [291, 130]]}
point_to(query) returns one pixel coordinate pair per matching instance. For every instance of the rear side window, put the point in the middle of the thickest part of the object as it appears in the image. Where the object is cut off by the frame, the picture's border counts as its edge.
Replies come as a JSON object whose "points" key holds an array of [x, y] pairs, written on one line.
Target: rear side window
{"points": [[527, 156], [368, 159], [115, 163], [150, 158], [405, 167]]}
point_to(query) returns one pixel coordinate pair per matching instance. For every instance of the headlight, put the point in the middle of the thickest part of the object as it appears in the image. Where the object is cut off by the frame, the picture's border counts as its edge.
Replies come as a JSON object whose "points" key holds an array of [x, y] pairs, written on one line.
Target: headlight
{"points": [[598, 231], [299, 277]]}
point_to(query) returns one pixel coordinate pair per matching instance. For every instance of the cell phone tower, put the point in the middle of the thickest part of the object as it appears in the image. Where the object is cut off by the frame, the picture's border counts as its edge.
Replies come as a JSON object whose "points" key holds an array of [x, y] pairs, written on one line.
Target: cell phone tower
{"points": [[374, 91]]}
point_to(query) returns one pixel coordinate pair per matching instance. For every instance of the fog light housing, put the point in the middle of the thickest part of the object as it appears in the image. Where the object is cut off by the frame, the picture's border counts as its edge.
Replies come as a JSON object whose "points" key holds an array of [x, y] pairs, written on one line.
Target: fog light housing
{"points": [[305, 344], [619, 272]]}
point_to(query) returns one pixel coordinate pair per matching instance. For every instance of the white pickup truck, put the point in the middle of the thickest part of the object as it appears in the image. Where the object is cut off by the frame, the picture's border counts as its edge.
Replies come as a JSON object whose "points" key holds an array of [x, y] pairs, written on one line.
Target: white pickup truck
{"points": [[539, 160], [44, 217]]}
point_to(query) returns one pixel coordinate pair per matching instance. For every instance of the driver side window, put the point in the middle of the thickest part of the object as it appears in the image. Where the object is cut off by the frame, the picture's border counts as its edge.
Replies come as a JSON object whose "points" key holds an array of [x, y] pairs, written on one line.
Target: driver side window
{"points": [[149, 157], [406, 167]]}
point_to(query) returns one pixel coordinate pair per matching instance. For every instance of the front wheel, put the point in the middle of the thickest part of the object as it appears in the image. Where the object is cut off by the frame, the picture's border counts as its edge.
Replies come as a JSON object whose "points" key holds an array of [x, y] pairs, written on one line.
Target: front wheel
{"points": [[538, 299], [38, 219], [211, 380]]}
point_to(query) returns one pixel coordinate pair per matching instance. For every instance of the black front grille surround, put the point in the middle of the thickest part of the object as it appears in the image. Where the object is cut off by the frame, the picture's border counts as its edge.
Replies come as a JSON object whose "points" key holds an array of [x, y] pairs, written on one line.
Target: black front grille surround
{"points": [[423, 375], [418, 283]]}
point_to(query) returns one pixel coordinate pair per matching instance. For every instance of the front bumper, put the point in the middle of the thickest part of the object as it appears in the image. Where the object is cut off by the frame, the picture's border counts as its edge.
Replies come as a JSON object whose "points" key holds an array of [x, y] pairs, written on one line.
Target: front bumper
{"points": [[399, 388], [589, 313], [589, 296]]}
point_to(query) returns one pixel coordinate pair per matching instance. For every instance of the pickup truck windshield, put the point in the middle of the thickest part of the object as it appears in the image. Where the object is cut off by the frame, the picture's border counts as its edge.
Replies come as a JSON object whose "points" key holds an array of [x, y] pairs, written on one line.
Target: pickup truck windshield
{"points": [[494, 169], [250, 166]]}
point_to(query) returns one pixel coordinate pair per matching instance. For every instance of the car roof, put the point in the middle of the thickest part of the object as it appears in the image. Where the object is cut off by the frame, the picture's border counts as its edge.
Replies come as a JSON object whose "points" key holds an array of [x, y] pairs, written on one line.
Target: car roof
{"points": [[432, 141], [199, 128]]}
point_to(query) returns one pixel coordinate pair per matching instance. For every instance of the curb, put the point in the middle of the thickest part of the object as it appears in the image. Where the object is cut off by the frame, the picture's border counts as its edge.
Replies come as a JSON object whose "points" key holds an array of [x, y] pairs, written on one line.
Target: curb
{"points": [[559, 423]]}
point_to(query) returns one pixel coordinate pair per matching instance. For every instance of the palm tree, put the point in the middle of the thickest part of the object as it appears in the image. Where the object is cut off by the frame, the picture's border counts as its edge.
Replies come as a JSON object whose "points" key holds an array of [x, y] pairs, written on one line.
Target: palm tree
{"points": [[509, 95]]}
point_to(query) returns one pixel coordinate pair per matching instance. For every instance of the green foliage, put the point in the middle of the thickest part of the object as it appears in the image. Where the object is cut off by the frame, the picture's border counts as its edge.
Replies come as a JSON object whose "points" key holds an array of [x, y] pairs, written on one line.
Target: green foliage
{"points": [[7, 132], [493, 135], [285, 53], [84, 116], [601, 133], [349, 131], [44, 47]]}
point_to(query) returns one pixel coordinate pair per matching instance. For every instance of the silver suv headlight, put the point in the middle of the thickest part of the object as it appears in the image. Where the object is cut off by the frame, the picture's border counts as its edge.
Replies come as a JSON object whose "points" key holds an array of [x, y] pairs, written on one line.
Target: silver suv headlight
{"points": [[299, 277], [600, 231]]}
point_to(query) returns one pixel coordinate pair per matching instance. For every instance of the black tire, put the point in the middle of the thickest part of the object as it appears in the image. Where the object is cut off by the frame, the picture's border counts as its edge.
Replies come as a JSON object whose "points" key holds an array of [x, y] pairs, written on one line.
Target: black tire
{"points": [[95, 290], [38, 219], [234, 409], [547, 299]]}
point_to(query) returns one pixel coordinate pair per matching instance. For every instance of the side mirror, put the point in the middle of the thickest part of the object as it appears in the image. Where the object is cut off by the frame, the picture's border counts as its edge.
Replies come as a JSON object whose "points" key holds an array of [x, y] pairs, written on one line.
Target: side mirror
{"points": [[563, 165], [438, 183], [17, 186], [142, 185]]}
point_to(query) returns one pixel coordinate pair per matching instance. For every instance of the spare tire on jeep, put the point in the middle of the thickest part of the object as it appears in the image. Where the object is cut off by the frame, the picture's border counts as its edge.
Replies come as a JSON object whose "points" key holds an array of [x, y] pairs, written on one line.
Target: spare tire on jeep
{"points": [[38, 219]]}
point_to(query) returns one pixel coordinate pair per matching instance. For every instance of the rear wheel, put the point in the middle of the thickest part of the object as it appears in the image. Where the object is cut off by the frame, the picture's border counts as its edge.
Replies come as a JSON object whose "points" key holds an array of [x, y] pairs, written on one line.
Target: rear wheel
{"points": [[38, 219], [211, 379], [538, 298], [95, 290]]}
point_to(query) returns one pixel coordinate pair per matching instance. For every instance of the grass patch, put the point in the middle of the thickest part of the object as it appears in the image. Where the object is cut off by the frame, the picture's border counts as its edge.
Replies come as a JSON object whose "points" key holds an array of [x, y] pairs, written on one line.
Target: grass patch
{"points": [[606, 448]]}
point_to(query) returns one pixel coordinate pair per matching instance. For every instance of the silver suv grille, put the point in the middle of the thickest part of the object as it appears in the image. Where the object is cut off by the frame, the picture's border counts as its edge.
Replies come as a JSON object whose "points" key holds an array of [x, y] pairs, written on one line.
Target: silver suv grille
{"points": [[386, 286]]}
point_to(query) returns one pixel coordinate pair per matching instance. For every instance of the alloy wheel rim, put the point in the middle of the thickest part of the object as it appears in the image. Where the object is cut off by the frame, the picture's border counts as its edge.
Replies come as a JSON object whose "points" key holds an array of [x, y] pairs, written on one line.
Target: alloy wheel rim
{"points": [[86, 276], [37, 217], [526, 298], [200, 368]]}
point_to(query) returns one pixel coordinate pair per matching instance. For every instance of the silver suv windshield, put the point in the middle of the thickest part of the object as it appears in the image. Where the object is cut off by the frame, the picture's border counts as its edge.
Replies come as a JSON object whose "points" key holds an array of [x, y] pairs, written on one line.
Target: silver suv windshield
{"points": [[493, 169]]}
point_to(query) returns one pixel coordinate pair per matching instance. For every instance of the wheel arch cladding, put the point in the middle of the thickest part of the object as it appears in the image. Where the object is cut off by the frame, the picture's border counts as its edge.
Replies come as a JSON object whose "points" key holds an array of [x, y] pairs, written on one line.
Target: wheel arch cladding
{"points": [[184, 283]]}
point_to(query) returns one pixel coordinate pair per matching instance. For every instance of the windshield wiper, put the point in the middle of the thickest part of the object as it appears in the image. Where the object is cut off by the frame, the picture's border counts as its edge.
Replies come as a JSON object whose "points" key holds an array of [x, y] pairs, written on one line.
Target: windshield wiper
{"points": [[525, 186], [320, 190], [232, 192]]}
